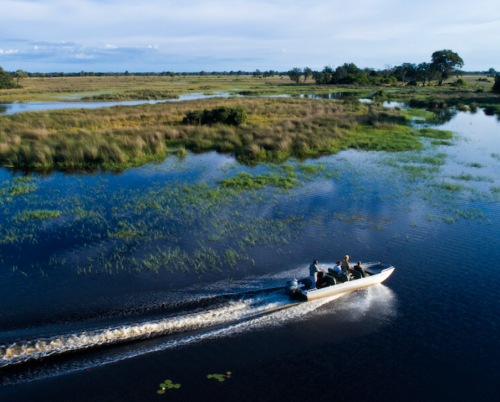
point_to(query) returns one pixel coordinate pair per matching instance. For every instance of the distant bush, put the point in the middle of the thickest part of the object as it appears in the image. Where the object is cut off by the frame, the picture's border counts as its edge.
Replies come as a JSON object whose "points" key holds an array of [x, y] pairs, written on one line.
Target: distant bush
{"points": [[459, 83], [390, 80], [496, 86], [6, 81], [413, 83], [226, 115]]}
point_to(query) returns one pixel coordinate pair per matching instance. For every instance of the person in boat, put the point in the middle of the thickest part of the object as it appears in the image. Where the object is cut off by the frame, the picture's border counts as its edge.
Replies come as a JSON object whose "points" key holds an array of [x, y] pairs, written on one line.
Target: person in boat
{"points": [[313, 273], [345, 265], [338, 268], [360, 269]]}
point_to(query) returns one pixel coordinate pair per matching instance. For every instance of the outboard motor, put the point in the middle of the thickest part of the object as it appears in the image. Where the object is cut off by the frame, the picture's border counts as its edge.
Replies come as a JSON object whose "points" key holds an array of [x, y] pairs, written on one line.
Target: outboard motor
{"points": [[292, 287]]}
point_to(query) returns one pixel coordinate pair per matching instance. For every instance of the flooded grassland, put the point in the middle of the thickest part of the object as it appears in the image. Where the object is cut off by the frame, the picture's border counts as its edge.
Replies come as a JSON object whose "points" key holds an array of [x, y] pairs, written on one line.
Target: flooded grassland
{"points": [[98, 246]]}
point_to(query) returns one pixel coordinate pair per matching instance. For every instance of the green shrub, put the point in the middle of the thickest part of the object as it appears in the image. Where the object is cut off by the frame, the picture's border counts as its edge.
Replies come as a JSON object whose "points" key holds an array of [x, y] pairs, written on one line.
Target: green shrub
{"points": [[459, 83], [496, 86], [6, 81], [226, 115]]}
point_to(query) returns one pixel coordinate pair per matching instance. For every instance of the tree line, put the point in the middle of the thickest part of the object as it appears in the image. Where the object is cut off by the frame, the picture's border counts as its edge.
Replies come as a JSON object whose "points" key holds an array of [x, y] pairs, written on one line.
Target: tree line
{"points": [[444, 64]]}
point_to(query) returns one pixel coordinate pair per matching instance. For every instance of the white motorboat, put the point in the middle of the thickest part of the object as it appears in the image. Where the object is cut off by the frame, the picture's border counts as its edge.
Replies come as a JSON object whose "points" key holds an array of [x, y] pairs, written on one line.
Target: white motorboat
{"points": [[332, 283]]}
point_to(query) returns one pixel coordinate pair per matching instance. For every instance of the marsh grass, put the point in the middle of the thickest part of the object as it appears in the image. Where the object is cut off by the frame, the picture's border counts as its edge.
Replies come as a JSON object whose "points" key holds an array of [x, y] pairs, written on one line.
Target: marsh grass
{"points": [[450, 187], [469, 177], [38, 215], [245, 181], [22, 188], [277, 129], [441, 142]]}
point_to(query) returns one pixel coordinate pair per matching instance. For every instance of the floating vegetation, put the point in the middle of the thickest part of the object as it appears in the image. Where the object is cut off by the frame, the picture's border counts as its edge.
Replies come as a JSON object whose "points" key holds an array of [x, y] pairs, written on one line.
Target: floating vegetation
{"points": [[442, 142], [449, 187], [469, 177], [245, 181], [220, 377], [38, 214], [438, 159], [168, 384], [435, 133], [475, 165], [19, 189]]}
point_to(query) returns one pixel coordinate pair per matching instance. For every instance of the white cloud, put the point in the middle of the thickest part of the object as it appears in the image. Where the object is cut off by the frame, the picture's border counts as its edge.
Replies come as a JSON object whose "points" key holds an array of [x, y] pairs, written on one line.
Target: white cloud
{"points": [[83, 56], [277, 34], [1, 51], [35, 47], [10, 51]]}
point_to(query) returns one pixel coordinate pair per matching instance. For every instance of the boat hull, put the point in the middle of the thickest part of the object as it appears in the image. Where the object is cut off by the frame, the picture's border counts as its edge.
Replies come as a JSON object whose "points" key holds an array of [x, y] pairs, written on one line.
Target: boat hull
{"points": [[347, 286]]}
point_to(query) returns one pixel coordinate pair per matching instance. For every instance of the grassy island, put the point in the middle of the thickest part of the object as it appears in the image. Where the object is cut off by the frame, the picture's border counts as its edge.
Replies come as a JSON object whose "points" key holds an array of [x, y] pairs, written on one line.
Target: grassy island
{"points": [[276, 129]]}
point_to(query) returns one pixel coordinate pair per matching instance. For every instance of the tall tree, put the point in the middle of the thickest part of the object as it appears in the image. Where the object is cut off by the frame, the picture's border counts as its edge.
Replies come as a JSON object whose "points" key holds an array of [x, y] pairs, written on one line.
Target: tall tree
{"points": [[445, 63], [20, 74], [295, 74], [406, 70], [307, 73], [423, 71]]}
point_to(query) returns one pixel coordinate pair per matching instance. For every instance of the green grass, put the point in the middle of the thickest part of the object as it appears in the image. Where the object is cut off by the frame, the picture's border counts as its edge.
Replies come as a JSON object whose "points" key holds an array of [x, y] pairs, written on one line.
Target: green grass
{"points": [[441, 142], [434, 133], [419, 114], [475, 165], [469, 177], [245, 181], [277, 129], [450, 187], [19, 189], [38, 215], [437, 159]]}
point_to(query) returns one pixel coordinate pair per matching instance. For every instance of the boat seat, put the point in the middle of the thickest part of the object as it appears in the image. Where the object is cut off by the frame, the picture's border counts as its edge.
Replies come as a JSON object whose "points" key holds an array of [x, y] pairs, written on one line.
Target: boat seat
{"points": [[338, 277], [330, 280], [355, 274]]}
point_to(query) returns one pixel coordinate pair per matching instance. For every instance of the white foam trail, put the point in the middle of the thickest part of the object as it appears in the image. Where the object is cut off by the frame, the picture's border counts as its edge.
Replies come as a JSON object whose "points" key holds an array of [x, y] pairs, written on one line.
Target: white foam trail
{"points": [[299, 311], [35, 349]]}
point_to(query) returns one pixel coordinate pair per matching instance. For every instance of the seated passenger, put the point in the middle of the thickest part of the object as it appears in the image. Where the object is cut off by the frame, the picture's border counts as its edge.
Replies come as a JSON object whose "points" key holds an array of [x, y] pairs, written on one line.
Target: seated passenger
{"points": [[337, 268], [345, 265], [360, 269]]}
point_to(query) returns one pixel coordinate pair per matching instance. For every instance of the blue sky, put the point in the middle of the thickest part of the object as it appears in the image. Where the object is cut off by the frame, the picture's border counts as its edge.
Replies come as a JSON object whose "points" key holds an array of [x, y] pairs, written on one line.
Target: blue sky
{"points": [[163, 35]]}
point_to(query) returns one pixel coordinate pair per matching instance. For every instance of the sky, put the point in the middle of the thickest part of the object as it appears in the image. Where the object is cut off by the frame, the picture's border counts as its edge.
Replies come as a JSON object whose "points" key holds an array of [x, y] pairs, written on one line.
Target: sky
{"points": [[225, 35]]}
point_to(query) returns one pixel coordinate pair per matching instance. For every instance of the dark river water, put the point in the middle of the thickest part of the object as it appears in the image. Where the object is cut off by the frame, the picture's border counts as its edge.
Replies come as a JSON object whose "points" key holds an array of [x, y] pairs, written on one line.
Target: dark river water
{"points": [[160, 274]]}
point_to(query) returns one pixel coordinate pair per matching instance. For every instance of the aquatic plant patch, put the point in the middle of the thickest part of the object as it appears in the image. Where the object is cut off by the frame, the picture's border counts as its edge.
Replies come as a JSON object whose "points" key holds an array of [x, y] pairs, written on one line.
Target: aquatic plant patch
{"points": [[168, 384], [123, 137]]}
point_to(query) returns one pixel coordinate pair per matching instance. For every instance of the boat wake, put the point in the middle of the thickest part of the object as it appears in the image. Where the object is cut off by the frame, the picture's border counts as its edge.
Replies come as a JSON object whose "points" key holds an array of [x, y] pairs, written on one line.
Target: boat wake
{"points": [[233, 315], [233, 311]]}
